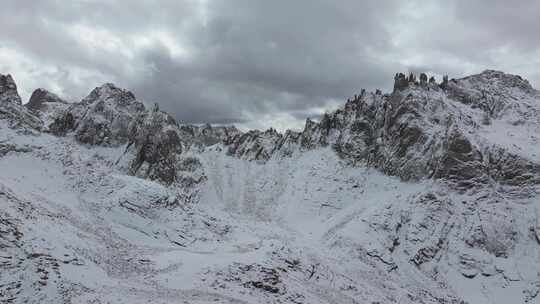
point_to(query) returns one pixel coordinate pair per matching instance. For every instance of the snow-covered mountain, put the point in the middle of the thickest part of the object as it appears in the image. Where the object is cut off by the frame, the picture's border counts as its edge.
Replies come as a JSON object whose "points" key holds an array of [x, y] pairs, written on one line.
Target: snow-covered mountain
{"points": [[429, 194]]}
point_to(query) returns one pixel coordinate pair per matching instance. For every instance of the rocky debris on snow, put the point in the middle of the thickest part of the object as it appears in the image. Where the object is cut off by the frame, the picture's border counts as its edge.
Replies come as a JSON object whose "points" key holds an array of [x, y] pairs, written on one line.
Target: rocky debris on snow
{"points": [[444, 83], [6, 148]]}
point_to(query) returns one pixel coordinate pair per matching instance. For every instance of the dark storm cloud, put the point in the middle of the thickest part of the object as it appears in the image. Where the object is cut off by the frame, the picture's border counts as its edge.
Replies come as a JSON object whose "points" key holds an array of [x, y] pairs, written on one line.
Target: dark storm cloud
{"points": [[255, 61], [266, 56]]}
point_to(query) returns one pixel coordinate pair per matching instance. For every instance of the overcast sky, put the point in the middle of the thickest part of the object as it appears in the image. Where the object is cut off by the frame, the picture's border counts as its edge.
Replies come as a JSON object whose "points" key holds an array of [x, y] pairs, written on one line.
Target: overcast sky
{"points": [[258, 63]]}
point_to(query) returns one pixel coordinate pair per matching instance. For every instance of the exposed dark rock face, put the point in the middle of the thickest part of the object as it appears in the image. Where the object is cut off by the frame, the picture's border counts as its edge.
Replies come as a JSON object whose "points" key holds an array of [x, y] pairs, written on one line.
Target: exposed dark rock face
{"points": [[11, 108], [8, 90], [104, 116], [255, 144], [400, 81], [155, 139], [512, 169], [423, 79], [461, 161], [444, 83], [62, 124], [41, 98]]}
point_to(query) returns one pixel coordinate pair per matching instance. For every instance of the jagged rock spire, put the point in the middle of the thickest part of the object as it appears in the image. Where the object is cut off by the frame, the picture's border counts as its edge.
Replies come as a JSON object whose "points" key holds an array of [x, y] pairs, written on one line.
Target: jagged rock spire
{"points": [[423, 79], [155, 107], [412, 78], [444, 83], [8, 90], [400, 82], [11, 108], [357, 97]]}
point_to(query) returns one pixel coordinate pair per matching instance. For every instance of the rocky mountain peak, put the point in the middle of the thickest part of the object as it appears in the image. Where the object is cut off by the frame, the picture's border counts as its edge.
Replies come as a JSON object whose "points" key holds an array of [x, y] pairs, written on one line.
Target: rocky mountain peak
{"points": [[110, 93], [497, 94], [41, 97], [498, 80], [11, 108], [8, 90], [101, 118]]}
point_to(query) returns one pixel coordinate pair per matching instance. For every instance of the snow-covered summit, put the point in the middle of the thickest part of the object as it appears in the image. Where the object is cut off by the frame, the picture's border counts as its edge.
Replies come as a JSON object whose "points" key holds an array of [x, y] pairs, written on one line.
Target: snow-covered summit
{"points": [[112, 95]]}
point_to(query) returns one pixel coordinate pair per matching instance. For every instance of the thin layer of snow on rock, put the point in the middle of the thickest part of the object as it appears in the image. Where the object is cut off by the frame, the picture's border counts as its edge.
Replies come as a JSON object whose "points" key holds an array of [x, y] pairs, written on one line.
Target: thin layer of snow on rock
{"points": [[46, 105]]}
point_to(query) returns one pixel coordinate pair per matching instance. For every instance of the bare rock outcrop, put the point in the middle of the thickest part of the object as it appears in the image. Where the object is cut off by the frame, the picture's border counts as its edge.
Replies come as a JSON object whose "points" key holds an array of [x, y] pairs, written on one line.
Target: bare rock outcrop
{"points": [[41, 99], [11, 108], [156, 143]]}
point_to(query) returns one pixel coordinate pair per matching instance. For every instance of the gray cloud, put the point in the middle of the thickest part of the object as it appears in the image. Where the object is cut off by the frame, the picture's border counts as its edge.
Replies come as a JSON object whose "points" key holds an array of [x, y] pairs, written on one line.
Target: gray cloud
{"points": [[515, 22], [256, 62]]}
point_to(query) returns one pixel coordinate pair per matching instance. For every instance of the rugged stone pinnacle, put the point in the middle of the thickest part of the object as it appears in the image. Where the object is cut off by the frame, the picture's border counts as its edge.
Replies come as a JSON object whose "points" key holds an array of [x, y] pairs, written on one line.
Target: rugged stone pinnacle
{"points": [[423, 79], [8, 89], [444, 83]]}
